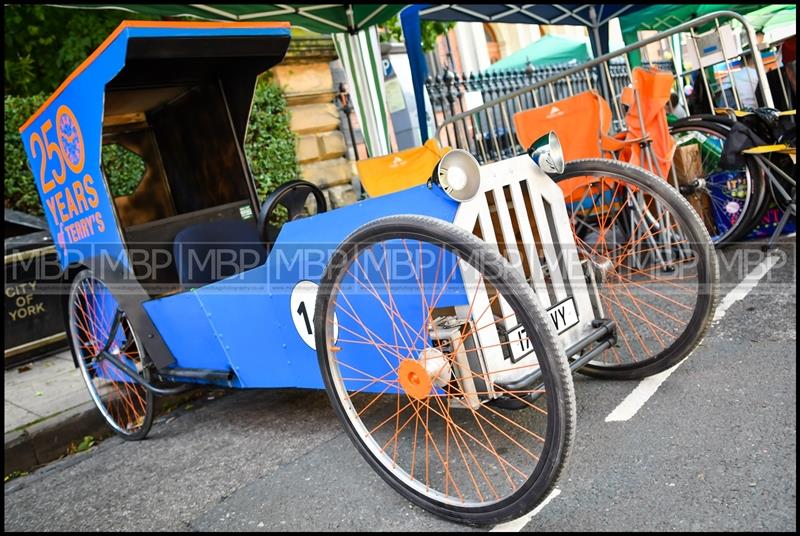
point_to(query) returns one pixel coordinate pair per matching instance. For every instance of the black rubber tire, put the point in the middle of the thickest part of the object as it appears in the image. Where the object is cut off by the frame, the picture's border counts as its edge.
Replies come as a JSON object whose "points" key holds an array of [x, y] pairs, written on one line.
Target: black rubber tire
{"points": [[557, 377], [759, 204], [708, 268], [720, 121], [149, 397]]}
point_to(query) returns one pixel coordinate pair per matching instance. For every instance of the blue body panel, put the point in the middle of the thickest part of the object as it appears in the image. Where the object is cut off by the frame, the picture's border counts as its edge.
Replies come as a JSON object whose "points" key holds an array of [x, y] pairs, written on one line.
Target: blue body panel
{"points": [[250, 313]]}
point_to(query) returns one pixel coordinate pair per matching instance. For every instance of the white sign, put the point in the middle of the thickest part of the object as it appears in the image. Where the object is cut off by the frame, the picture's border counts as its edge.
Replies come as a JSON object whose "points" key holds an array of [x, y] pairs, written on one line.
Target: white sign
{"points": [[563, 315], [301, 304], [473, 99]]}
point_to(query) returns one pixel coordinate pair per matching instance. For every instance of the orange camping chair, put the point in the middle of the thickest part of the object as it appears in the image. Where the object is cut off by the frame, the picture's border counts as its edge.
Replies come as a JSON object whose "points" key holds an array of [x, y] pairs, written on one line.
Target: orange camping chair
{"points": [[394, 172], [581, 123], [648, 141]]}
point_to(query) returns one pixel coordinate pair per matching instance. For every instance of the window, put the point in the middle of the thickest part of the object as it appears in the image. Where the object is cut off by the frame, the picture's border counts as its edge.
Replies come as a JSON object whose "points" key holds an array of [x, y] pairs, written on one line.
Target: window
{"points": [[492, 45], [124, 169]]}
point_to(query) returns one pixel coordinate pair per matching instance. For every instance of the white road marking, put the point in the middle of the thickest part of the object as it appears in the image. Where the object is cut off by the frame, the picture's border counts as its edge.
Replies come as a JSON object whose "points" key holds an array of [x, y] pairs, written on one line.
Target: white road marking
{"points": [[648, 386], [745, 286], [636, 399], [516, 525]]}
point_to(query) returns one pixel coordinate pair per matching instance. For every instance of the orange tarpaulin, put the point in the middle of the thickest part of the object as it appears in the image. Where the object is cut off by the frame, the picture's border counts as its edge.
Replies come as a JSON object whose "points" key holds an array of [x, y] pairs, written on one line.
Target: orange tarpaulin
{"points": [[392, 173]]}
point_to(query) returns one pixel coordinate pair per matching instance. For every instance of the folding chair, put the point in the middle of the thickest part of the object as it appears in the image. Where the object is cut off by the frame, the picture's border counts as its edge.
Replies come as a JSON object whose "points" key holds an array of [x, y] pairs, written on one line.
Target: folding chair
{"points": [[391, 173], [647, 140], [582, 123]]}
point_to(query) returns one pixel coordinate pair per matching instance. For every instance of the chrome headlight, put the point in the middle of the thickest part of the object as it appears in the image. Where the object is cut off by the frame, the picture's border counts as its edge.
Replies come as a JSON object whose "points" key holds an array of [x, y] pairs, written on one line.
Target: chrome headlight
{"points": [[546, 153], [458, 174]]}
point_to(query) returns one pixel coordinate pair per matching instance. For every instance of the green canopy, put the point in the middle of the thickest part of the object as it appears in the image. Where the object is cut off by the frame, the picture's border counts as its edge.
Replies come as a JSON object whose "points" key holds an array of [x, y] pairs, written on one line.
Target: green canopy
{"points": [[548, 50], [776, 21], [321, 18], [663, 17]]}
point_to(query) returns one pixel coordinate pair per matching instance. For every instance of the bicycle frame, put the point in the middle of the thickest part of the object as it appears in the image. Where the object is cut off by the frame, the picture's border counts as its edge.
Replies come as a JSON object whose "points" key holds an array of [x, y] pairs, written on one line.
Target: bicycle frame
{"points": [[770, 169]]}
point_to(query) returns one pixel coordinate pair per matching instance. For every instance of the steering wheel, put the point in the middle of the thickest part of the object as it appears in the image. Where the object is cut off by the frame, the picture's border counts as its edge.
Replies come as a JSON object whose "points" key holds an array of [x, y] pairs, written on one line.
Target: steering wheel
{"points": [[292, 198]]}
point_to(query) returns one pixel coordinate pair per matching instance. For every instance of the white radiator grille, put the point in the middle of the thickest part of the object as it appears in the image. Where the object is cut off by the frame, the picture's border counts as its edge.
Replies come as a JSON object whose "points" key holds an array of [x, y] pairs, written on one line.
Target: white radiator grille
{"points": [[520, 211]]}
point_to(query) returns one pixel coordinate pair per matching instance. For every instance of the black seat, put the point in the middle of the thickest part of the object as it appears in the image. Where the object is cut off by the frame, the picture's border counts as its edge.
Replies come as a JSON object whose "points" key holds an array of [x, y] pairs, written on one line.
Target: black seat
{"points": [[208, 252]]}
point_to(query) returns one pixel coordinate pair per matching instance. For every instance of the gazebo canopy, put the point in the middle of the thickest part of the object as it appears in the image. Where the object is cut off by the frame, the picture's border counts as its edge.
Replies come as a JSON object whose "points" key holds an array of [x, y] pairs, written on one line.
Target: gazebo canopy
{"points": [[663, 17], [777, 21], [321, 18]]}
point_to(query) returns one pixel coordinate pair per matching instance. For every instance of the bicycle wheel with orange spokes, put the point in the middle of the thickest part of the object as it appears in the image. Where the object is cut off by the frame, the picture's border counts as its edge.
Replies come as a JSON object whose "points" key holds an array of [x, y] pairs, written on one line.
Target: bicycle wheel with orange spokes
{"points": [[444, 370], [650, 260], [96, 326]]}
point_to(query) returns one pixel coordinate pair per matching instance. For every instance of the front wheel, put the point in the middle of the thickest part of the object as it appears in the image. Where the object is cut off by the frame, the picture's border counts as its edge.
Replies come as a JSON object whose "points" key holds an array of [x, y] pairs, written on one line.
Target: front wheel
{"points": [[444, 369], [651, 262]]}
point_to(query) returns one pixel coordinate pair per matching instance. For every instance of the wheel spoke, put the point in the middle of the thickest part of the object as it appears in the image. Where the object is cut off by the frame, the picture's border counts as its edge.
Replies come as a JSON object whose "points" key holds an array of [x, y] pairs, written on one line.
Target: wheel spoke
{"points": [[652, 286]]}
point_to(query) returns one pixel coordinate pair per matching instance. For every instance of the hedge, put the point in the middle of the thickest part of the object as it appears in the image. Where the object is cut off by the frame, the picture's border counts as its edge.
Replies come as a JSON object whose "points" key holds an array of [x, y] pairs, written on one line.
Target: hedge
{"points": [[19, 188], [270, 148], [270, 143]]}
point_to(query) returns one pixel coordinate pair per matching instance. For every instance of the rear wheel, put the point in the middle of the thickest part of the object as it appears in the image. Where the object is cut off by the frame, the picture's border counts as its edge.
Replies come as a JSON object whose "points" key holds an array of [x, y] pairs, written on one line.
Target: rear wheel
{"points": [[125, 405], [444, 370], [651, 261]]}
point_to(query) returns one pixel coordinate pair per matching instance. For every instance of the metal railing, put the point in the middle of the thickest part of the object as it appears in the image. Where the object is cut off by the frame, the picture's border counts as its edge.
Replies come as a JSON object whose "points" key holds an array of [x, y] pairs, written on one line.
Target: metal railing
{"points": [[488, 132], [448, 90]]}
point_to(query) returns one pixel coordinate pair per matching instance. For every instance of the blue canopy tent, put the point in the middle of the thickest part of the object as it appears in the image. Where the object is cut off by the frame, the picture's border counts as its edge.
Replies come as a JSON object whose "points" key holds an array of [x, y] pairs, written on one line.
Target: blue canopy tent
{"points": [[594, 16]]}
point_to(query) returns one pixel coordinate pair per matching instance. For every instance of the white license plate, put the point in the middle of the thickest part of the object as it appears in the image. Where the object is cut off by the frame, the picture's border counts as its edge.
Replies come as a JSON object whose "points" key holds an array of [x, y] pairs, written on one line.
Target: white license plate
{"points": [[564, 315]]}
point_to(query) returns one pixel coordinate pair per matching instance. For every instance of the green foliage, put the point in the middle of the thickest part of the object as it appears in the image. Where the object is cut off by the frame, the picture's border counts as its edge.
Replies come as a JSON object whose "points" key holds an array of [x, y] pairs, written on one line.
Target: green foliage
{"points": [[19, 189], [270, 142], [430, 29], [44, 44], [122, 168], [391, 31], [14, 474], [86, 443], [270, 147]]}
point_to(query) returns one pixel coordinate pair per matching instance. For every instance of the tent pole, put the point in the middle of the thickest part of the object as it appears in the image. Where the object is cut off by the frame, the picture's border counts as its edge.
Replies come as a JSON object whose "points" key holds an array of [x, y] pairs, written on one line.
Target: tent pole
{"points": [[598, 50], [412, 34]]}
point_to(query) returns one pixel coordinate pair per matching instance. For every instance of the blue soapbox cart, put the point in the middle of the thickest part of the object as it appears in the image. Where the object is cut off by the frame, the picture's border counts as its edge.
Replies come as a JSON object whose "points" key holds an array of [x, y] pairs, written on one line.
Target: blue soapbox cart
{"points": [[444, 320]]}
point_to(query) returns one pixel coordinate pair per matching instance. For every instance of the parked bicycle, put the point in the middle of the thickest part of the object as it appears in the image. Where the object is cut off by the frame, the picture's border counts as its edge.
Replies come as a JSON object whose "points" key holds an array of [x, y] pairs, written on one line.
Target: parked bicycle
{"points": [[747, 161]]}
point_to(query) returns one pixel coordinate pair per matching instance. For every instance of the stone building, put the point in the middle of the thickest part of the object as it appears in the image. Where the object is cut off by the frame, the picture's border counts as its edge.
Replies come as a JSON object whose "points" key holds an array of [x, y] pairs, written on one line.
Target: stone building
{"points": [[307, 82]]}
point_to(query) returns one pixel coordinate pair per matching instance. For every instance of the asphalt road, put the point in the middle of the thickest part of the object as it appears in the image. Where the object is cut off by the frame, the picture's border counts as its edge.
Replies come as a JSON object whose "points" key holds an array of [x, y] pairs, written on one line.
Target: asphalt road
{"points": [[713, 449]]}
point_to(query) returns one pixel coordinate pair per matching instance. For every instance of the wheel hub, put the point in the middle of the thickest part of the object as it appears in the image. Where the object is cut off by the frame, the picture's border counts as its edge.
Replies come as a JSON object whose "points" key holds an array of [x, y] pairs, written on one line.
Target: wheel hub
{"points": [[414, 379], [602, 267], [418, 376]]}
